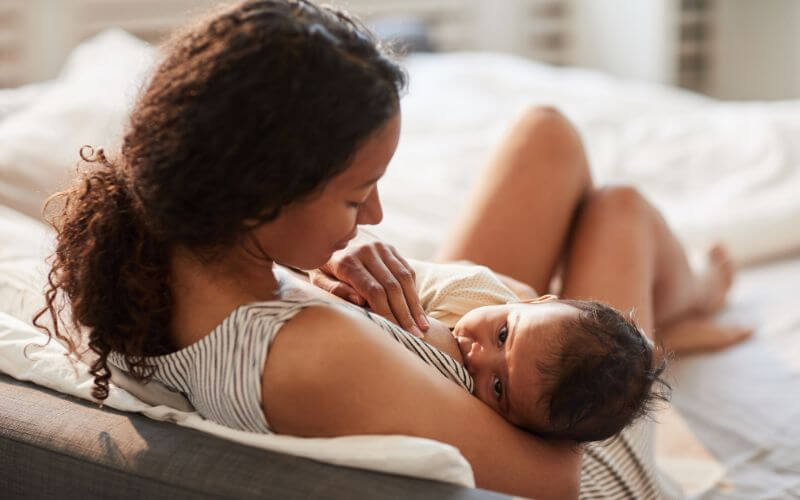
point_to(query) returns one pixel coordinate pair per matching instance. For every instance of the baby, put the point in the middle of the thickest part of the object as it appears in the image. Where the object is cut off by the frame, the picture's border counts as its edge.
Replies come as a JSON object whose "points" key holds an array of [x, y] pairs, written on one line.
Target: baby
{"points": [[564, 369]]}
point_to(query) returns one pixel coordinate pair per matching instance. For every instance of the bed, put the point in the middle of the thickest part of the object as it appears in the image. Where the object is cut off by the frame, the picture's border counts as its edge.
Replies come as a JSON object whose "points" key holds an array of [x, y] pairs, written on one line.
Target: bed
{"points": [[719, 171]]}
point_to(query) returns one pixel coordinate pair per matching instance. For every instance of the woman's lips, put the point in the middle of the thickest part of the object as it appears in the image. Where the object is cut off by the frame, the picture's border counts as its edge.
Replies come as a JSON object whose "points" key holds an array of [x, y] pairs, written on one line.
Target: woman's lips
{"points": [[343, 243]]}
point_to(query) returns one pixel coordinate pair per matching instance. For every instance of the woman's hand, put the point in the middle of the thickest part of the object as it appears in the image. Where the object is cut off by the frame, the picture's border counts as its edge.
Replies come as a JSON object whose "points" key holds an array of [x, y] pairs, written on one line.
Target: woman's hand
{"points": [[371, 272]]}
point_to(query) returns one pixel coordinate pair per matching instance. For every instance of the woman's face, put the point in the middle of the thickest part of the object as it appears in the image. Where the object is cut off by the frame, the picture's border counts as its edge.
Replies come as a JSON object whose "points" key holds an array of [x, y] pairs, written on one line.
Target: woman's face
{"points": [[306, 233]]}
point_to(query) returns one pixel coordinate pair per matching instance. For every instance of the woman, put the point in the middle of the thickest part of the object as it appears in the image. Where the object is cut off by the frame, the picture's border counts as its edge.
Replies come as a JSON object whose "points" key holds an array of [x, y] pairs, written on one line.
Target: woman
{"points": [[259, 141]]}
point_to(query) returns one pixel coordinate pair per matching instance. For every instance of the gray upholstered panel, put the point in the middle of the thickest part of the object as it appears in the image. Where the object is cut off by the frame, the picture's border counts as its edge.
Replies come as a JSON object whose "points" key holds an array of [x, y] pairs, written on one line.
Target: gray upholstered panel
{"points": [[55, 446]]}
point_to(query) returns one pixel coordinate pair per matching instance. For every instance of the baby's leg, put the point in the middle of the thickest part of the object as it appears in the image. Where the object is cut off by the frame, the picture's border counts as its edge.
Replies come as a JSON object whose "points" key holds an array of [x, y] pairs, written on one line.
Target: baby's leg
{"points": [[624, 254], [518, 219]]}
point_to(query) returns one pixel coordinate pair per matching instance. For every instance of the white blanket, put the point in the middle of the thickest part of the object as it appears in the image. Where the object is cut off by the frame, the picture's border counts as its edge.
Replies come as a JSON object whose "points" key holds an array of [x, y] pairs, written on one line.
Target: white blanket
{"points": [[719, 171]]}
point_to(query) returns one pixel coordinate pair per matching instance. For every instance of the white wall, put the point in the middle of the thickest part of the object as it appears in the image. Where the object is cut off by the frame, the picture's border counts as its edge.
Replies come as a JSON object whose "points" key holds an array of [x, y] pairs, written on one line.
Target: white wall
{"points": [[628, 38], [757, 50]]}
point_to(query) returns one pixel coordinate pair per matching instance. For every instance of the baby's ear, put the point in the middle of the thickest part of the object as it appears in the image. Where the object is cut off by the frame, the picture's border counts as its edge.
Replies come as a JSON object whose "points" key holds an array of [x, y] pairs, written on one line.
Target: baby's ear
{"points": [[543, 298]]}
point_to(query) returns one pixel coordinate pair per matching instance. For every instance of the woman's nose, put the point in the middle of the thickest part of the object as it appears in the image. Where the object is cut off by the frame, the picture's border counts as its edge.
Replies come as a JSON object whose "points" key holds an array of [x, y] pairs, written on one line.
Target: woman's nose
{"points": [[371, 211]]}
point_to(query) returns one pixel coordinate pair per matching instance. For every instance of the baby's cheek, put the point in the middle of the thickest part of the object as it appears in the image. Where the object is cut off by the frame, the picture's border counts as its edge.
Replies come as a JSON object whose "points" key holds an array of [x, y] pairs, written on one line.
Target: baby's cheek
{"points": [[491, 403], [532, 416]]}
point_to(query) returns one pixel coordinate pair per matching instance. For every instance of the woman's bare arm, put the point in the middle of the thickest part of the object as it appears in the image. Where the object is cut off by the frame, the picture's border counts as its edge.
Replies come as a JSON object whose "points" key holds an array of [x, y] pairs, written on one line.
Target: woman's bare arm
{"points": [[331, 372]]}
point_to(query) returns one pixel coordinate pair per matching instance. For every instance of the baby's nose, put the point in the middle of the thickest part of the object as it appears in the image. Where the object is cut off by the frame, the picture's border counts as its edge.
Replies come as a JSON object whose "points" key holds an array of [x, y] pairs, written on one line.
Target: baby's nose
{"points": [[473, 358]]}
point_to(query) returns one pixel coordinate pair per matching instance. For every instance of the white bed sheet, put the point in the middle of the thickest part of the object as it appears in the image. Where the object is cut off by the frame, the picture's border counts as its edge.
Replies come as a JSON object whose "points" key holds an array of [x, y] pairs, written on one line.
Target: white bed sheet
{"points": [[743, 403]]}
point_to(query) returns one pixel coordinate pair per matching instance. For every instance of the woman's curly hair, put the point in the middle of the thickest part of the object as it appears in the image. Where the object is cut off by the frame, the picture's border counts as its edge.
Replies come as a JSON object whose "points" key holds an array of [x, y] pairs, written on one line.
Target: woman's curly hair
{"points": [[250, 109]]}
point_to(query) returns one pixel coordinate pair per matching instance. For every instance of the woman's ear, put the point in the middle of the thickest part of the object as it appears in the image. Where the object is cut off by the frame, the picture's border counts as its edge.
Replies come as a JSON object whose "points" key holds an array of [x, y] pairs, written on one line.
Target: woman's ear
{"points": [[543, 298]]}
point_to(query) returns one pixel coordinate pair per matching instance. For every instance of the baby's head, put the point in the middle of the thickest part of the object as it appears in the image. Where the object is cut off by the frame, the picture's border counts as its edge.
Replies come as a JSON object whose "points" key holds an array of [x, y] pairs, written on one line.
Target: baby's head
{"points": [[563, 369]]}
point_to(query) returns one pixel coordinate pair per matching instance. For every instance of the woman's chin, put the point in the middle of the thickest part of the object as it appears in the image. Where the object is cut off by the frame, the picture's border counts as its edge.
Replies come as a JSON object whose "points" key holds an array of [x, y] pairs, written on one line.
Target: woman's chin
{"points": [[308, 264], [340, 245]]}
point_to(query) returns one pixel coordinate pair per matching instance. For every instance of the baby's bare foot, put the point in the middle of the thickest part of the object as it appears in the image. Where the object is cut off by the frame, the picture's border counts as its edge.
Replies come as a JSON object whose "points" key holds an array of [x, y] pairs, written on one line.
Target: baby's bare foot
{"points": [[715, 280], [701, 333]]}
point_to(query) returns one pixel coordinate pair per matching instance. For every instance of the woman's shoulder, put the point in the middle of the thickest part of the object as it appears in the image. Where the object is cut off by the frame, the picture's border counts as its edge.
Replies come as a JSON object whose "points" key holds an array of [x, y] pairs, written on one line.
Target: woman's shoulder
{"points": [[321, 351]]}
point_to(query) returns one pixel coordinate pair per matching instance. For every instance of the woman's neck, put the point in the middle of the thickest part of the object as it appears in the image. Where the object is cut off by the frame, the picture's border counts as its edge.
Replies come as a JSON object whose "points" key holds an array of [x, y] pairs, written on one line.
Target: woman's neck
{"points": [[236, 274], [205, 293]]}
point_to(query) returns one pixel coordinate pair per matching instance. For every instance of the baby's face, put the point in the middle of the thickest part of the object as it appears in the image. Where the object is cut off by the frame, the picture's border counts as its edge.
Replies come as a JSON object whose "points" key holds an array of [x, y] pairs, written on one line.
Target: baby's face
{"points": [[501, 346]]}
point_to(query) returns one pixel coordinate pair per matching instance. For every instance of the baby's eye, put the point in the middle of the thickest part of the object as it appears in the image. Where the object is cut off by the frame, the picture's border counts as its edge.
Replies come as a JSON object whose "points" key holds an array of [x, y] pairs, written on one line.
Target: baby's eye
{"points": [[502, 335], [497, 387]]}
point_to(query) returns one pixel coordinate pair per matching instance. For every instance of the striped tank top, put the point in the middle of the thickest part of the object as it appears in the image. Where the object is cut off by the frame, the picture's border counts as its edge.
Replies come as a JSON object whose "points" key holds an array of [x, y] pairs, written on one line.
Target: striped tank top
{"points": [[220, 374]]}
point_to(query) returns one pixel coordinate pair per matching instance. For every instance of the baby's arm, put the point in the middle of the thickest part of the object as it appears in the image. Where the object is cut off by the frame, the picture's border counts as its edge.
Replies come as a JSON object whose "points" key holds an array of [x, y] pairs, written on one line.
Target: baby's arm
{"points": [[520, 289]]}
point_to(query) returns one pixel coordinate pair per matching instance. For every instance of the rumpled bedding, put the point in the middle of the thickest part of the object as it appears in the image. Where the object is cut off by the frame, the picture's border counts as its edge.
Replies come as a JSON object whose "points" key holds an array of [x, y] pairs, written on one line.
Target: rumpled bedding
{"points": [[719, 171]]}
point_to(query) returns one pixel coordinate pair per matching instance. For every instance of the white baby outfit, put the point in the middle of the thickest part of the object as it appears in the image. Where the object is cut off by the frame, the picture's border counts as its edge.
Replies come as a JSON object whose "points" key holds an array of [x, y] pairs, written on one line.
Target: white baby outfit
{"points": [[449, 291]]}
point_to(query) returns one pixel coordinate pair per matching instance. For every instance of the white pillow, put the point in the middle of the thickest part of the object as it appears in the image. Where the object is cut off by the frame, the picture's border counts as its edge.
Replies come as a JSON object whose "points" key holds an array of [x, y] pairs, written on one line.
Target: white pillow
{"points": [[23, 270], [25, 247], [14, 100], [87, 104]]}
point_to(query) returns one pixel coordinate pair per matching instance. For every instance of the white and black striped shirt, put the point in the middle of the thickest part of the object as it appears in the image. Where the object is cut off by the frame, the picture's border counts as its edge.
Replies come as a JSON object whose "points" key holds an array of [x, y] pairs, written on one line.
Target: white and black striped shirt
{"points": [[221, 373]]}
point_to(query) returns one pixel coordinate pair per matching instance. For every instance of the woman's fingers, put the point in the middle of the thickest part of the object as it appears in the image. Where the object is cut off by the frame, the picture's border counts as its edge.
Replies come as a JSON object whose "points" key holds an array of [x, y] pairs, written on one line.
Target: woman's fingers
{"points": [[367, 284], [339, 288], [387, 292], [376, 273], [407, 277]]}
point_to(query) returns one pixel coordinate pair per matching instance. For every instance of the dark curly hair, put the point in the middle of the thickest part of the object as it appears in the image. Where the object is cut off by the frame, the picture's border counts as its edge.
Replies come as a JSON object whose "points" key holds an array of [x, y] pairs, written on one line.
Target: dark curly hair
{"points": [[603, 376], [254, 107]]}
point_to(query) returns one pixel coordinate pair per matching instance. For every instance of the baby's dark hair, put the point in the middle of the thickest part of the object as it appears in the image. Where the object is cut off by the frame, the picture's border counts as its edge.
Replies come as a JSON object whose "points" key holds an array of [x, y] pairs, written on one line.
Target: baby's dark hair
{"points": [[602, 377]]}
